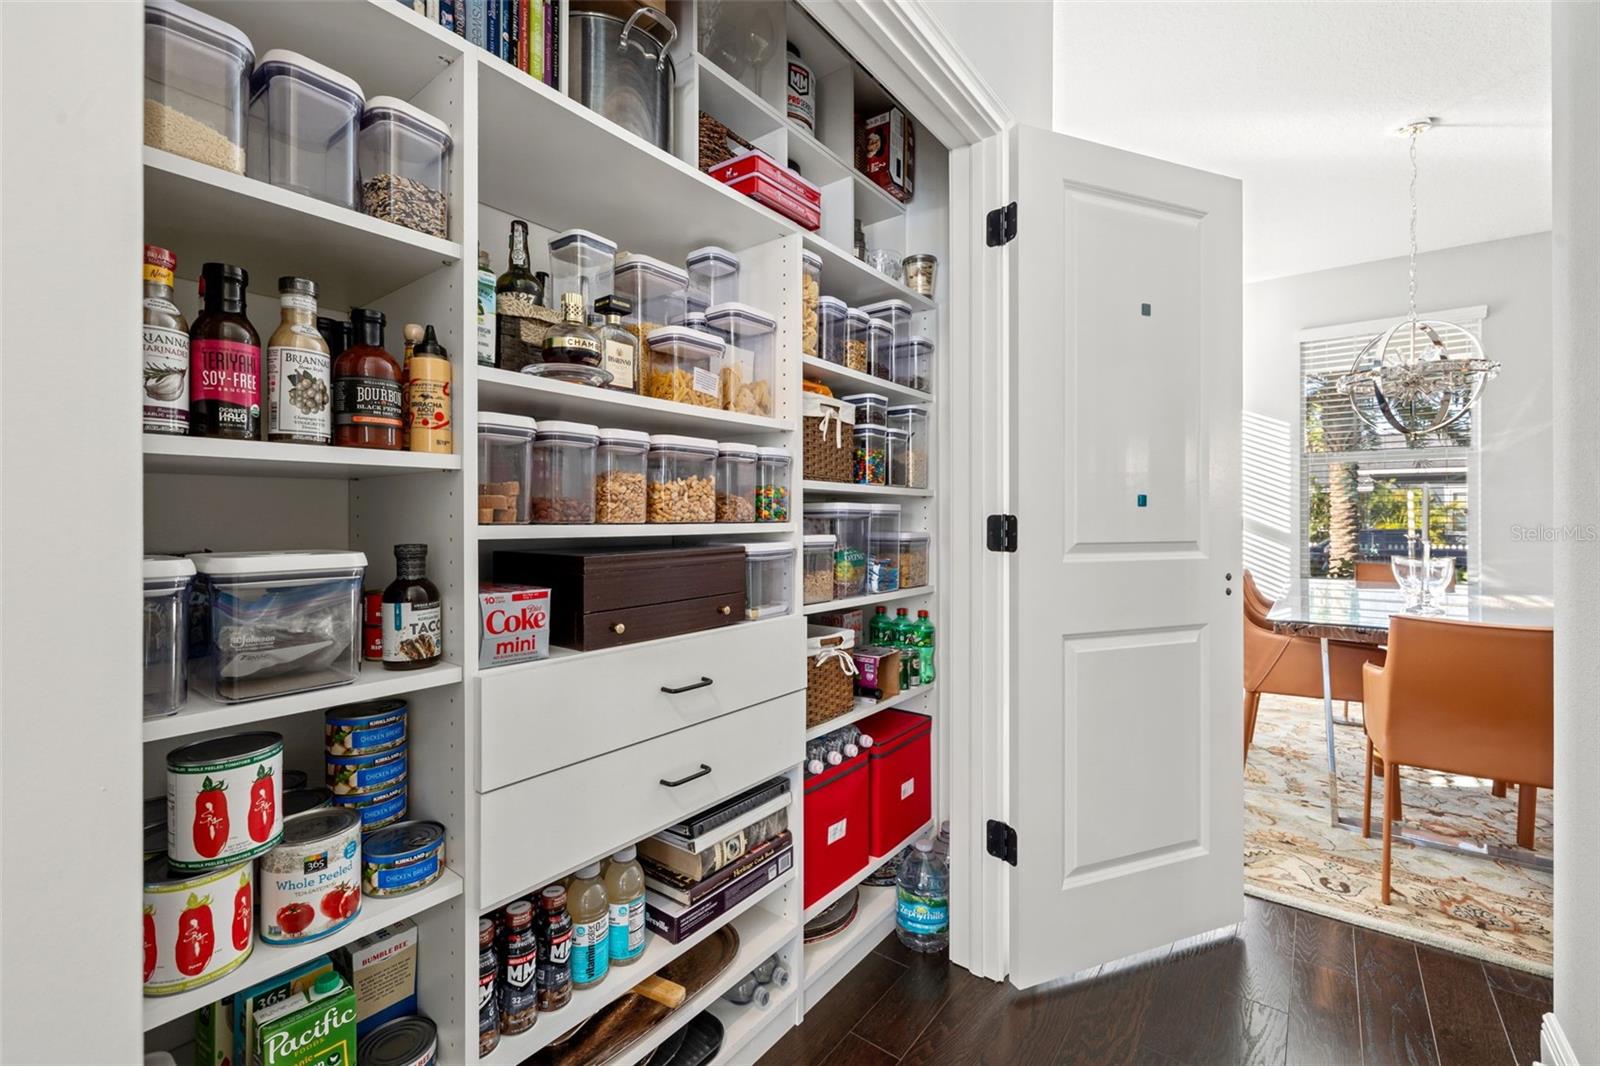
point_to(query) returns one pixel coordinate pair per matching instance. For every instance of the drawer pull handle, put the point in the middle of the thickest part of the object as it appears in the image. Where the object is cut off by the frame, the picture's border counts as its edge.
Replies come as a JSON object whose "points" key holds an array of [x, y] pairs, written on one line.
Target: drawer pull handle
{"points": [[724, 609], [619, 629], [703, 771], [702, 683]]}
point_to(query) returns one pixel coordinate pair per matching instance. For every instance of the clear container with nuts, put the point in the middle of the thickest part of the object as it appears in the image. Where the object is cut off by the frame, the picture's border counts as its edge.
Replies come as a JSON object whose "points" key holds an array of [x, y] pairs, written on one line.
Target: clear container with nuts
{"points": [[746, 374], [818, 567], [713, 276], [736, 483], [810, 297], [404, 155], [619, 484], [883, 554], [909, 466], [858, 328], [563, 473], [505, 462], [880, 349], [768, 578], [681, 479], [682, 366], [772, 484], [658, 293], [831, 313], [196, 80]]}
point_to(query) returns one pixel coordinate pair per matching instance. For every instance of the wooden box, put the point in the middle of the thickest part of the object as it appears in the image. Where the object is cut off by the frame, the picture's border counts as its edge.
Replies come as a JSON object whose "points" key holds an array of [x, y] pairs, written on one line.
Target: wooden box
{"points": [[606, 597]]}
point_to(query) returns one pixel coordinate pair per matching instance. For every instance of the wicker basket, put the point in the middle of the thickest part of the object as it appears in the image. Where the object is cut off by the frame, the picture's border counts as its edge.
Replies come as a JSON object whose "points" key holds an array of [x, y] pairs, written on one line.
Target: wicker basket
{"points": [[830, 674], [829, 438], [717, 143], [533, 329]]}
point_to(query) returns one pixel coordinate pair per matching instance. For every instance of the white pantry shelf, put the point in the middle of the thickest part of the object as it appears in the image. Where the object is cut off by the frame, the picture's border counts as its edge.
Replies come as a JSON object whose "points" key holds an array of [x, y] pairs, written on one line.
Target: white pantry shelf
{"points": [[512, 392], [866, 709], [846, 382], [845, 488], [826, 961], [653, 531], [166, 454], [854, 282], [737, 106], [862, 874], [744, 1024], [867, 601]]}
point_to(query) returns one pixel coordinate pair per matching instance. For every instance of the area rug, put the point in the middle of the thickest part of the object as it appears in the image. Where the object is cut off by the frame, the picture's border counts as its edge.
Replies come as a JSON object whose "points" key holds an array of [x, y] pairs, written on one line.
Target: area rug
{"points": [[1488, 909]]}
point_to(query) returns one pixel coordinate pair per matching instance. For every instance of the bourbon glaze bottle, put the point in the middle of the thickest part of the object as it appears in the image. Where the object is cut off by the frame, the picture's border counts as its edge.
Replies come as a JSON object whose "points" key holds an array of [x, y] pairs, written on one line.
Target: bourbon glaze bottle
{"points": [[413, 618], [368, 407]]}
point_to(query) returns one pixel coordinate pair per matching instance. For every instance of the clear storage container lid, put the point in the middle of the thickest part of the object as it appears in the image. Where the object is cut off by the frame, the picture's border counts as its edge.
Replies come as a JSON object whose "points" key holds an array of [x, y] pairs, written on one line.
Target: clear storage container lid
{"points": [[636, 438], [867, 398], [908, 409], [280, 62], [831, 305], [200, 27], [577, 432], [693, 319], [762, 547], [896, 433], [713, 262], [247, 564], [858, 318], [774, 454], [887, 308], [740, 320], [841, 510], [670, 442], [868, 429], [822, 541], [167, 569], [811, 259], [738, 451], [904, 537], [882, 508], [495, 420], [394, 109], [671, 338], [881, 328], [648, 273], [918, 345], [570, 245]]}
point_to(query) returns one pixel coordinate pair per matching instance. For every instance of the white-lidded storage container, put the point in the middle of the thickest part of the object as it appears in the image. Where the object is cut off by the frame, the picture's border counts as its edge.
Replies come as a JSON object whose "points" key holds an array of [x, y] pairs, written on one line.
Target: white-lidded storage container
{"points": [[880, 349], [872, 408], [909, 467], [870, 459], [747, 371], [857, 332], [847, 522], [810, 301], [563, 473], [656, 294], [831, 326], [281, 622], [713, 276], [895, 452], [897, 313], [304, 122], [505, 464], [196, 83], [773, 465], [768, 578], [912, 549], [883, 558], [682, 479], [619, 476], [817, 556], [913, 364], [166, 633], [404, 162], [683, 366], [581, 262], [736, 482]]}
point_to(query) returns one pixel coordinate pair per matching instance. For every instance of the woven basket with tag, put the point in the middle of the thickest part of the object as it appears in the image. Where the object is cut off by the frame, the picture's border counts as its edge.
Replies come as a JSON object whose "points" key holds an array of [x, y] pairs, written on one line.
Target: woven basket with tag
{"points": [[829, 437], [830, 674]]}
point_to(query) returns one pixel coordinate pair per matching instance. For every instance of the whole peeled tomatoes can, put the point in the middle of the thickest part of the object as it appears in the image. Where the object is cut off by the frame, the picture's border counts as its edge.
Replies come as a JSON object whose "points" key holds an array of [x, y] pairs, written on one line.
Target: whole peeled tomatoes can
{"points": [[311, 882], [224, 800], [197, 926]]}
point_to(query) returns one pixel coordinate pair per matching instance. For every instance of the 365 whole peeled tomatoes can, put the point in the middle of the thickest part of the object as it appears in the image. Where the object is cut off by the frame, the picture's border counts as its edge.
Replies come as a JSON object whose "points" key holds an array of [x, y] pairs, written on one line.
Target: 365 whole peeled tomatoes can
{"points": [[197, 926], [311, 882], [224, 800]]}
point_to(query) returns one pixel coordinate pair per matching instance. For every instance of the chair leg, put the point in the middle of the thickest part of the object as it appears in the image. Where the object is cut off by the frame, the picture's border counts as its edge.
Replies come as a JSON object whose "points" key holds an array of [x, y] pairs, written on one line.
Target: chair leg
{"points": [[1391, 782], [1252, 703], [1499, 790], [1527, 805], [1366, 802]]}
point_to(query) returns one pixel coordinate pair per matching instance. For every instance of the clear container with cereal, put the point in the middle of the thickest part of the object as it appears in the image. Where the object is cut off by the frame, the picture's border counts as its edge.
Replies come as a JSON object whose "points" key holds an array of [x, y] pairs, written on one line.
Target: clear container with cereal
{"points": [[619, 481], [858, 328], [713, 276], [657, 294], [681, 479], [167, 579], [913, 364], [683, 365], [736, 482], [817, 564], [895, 452], [746, 375], [880, 349], [810, 299], [304, 122], [910, 466], [196, 84], [912, 549], [768, 578], [505, 467], [584, 263], [872, 408], [847, 522], [870, 457], [562, 484], [772, 484], [831, 325], [883, 553], [404, 160]]}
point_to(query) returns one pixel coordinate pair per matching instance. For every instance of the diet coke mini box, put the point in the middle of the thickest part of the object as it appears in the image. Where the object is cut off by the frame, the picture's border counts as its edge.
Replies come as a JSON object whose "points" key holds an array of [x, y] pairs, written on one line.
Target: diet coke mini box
{"points": [[514, 624]]}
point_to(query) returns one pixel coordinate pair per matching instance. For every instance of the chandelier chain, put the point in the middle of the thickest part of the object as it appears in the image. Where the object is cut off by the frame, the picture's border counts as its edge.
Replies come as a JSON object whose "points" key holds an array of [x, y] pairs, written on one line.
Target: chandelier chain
{"points": [[1413, 265]]}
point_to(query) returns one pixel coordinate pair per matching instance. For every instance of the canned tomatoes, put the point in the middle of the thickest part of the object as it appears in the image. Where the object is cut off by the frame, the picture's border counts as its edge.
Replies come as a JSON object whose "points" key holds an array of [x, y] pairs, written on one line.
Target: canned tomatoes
{"points": [[409, 1041], [304, 799], [224, 800], [311, 882], [367, 775], [197, 926], [377, 811], [402, 858], [365, 728]]}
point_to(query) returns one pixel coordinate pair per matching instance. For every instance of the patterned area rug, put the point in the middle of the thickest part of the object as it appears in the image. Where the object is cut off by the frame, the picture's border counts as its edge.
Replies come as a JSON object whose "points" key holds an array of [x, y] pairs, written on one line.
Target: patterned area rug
{"points": [[1488, 909]]}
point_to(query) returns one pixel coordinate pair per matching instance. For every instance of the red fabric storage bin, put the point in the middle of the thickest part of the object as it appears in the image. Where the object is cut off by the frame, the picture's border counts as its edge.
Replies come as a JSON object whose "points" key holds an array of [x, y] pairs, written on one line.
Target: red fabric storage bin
{"points": [[899, 778], [755, 162], [836, 827]]}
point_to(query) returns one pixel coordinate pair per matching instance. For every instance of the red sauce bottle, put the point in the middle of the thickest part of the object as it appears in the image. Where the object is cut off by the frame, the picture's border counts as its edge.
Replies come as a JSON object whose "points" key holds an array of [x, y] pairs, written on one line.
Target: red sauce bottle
{"points": [[224, 359], [368, 407]]}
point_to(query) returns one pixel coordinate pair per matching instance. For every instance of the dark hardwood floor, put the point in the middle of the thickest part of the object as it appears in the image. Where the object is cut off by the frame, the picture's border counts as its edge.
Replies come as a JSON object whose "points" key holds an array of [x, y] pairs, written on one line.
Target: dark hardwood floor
{"points": [[1288, 988]]}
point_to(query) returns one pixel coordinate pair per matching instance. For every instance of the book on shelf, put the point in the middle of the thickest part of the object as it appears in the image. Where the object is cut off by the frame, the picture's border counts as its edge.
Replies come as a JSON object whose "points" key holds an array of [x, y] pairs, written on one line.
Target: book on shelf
{"points": [[702, 856], [682, 888], [729, 809], [675, 921]]}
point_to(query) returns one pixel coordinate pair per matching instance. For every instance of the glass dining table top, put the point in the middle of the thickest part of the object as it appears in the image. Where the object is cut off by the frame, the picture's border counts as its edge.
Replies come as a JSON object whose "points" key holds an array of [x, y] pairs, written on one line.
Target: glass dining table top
{"points": [[1342, 610]]}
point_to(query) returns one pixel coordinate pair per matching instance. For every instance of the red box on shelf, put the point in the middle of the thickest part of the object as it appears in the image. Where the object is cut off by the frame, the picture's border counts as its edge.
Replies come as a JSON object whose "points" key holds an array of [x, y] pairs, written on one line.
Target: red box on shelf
{"points": [[836, 827], [768, 193], [755, 162], [899, 779]]}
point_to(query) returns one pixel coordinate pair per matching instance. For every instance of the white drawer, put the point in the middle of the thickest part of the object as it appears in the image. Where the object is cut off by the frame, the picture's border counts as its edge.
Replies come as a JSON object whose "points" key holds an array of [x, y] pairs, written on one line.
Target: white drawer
{"points": [[541, 716], [536, 829]]}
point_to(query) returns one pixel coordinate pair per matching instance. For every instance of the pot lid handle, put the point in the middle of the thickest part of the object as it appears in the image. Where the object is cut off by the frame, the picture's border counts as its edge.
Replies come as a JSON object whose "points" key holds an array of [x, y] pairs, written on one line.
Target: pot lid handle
{"points": [[661, 19]]}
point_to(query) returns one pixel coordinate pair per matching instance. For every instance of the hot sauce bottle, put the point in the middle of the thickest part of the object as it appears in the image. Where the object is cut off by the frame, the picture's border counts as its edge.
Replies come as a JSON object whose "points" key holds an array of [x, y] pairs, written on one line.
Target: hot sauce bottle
{"points": [[224, 359], [368, 409]]}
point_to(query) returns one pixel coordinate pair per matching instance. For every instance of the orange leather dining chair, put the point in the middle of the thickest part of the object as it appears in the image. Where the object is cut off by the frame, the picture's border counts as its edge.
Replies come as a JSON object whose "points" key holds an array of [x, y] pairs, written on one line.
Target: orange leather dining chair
{"points": [[1285, 665], [1463, 698], [1376, 573]]}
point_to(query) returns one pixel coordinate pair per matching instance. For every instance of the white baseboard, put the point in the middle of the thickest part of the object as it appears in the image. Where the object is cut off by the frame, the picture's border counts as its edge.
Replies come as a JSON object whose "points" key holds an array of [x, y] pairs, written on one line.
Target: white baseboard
{"points": [[1553, 1047]]}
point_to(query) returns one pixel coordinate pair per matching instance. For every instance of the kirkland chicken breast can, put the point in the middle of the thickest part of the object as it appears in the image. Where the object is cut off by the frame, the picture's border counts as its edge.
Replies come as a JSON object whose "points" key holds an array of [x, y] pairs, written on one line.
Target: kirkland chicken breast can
{"points": [[311, 882], [197, 926], [224, 800]]}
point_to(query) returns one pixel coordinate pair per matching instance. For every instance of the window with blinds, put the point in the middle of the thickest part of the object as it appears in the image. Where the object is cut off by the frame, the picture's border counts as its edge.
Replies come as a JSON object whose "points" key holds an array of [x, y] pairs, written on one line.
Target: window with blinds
{"points": [[1361, 487]]}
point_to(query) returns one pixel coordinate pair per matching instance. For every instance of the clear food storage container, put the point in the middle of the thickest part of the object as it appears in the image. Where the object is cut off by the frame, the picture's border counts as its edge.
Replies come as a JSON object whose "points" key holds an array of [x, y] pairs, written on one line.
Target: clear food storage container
{"points": [[166, 633], [196, 82], [768, 578], [404, 158], [713, 276], [582, 262], [682, 479], [909, 467], [746, 376], [817, 556], [847, 522], [280, 622], [810, 297], [683, 366], [505, 466], [872, 408], [772, 484], [563, 472], [305, 119], [895, 313], [883, 554], [619, 476], [896, 449], [858, 328], [913, 364], [880, 349], [656, 293], [912, 549], [831, 313], [870, 459], [736, 483]]}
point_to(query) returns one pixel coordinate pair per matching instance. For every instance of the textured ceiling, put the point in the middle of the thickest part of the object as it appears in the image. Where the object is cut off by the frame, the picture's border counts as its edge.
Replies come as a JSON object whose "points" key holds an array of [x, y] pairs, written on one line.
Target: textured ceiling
{"points": [[1296, 99]]}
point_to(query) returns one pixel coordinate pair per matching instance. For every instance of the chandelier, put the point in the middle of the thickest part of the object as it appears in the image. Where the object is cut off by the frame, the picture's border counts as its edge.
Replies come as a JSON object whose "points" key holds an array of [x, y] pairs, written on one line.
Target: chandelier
{"points": [[1407, 378]]}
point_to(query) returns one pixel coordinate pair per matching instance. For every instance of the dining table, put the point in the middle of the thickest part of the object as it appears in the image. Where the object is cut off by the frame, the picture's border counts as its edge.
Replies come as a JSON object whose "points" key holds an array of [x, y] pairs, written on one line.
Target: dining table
{"points": [[1334, 609]]}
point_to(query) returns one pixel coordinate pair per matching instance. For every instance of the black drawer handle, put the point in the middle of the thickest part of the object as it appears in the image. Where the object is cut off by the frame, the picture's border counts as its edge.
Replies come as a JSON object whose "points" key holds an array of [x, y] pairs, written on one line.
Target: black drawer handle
{"points": [[702, 683], [703, 771]]}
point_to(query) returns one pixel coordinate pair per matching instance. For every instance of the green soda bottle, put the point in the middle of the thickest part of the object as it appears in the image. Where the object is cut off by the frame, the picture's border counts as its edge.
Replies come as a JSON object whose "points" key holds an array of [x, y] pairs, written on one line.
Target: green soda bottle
{"points": [[878, 628], [924, 637], [903, 635]]}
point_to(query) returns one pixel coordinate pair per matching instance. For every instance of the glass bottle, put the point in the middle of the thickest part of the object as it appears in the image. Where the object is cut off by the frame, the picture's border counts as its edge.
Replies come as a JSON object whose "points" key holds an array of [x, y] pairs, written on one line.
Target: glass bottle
{"points": [[335, 334], [224, 359], [299, 378], [572, 350], [486, 287], [517, 294], [368, 409], [165, 340], [413, 618], [860, 241], [427, 394], [620, 346]]}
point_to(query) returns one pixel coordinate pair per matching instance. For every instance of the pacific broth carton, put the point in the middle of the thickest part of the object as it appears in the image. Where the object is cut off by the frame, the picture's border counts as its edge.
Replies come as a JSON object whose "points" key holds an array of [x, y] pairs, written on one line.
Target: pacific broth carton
{"points": [[317, 1028]]}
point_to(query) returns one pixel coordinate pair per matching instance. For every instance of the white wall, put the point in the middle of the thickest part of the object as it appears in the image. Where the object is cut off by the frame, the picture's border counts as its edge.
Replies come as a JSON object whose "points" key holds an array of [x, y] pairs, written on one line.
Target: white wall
{"points": [[1512, 278], [1010, 43]]}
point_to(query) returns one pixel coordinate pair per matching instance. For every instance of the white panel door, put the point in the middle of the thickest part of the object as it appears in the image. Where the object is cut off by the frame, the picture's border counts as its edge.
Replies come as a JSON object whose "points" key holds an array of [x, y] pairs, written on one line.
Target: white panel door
{"points": [[1126, 727]]}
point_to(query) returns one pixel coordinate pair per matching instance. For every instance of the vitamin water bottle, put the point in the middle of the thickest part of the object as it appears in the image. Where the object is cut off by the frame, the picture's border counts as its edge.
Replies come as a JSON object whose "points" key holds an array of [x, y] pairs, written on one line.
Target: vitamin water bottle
{"points": [[624, 879], [591, 927]]}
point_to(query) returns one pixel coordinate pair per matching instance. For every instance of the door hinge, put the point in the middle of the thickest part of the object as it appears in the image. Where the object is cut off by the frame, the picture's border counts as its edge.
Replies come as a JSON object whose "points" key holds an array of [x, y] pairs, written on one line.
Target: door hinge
{"points": [[1002, 841], [1002, 532], [1001, 224]]}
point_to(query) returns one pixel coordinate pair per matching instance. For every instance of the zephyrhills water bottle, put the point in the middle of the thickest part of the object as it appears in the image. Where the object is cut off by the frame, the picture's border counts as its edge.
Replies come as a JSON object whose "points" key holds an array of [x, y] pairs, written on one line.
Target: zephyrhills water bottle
{"points": [[922, 899]]}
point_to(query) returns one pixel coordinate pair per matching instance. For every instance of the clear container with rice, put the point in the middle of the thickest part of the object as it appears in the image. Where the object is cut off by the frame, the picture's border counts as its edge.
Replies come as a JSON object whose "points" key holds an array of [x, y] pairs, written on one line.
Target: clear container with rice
{"points": [[196, 84]]}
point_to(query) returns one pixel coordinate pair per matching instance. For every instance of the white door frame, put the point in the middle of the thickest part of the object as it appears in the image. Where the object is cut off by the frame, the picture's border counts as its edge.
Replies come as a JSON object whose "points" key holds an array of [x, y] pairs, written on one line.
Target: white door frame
{"points": [[917, 62]]}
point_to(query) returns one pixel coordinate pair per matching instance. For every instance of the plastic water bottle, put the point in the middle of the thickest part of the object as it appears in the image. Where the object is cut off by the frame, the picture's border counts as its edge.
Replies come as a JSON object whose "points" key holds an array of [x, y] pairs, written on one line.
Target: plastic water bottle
{"points": [[922, 900]]}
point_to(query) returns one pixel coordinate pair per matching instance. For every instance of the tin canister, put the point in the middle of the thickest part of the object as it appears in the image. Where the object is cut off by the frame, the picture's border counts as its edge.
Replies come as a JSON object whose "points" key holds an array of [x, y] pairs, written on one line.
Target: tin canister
{"points": [[197, 925], [402, 858], [377, 811], [367, 775], [412, 1041], [224, 800], [294, 779], [365, 728], [305, 799], [311, 882]]}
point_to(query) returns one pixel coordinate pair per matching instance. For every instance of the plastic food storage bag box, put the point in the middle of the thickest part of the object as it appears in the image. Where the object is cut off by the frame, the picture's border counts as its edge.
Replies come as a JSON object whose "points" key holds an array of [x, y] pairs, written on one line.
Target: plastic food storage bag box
{"points": [[281, 622]]}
